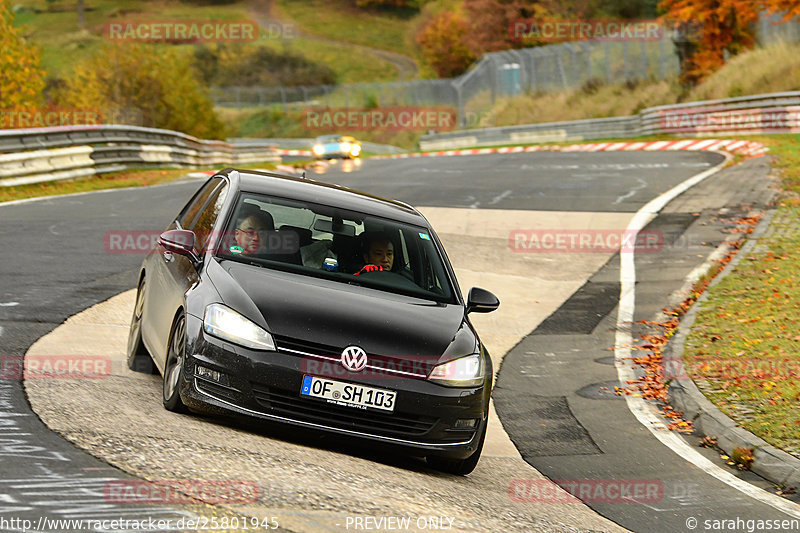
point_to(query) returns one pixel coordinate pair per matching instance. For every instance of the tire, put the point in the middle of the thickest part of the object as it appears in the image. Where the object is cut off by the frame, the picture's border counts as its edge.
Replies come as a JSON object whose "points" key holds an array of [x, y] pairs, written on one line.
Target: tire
{"points": [[459, 467], [139, 359], [173, 368]]}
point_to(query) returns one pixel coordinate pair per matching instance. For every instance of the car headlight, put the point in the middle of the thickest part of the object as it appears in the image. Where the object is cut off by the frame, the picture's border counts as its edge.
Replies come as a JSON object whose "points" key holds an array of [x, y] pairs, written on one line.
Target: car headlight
{"points": [[227, 324], [318, 149], [344, 147], [355, 150], [462, 372]]}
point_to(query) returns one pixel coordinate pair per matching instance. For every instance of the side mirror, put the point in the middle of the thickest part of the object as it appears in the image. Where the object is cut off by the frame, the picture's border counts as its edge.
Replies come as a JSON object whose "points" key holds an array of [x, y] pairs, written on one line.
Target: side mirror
{"points": [[481, 301], [179, 241]]}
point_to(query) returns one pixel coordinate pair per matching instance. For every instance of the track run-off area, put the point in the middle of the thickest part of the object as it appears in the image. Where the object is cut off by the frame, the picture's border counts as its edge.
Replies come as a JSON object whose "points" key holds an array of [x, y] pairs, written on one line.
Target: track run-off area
{"points": [[516, 224]]}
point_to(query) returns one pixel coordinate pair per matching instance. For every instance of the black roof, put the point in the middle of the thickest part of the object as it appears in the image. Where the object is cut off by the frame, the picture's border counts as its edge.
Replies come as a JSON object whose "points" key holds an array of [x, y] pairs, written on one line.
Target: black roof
{"points": [[318, 192]]}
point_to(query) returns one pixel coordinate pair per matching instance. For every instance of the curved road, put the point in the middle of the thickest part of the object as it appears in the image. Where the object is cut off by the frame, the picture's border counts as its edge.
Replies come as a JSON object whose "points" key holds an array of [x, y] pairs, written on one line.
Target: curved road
{"points": [[59, 267]]}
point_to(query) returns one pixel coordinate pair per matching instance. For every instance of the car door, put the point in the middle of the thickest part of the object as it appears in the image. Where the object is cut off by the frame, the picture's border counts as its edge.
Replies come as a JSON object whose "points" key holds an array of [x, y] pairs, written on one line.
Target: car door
{"points": [[170, 275]]}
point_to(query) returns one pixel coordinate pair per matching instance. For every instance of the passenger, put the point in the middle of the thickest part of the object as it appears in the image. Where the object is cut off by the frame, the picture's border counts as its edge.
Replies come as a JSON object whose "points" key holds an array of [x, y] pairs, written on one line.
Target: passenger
{"points": [[250, 233], [378, 252]]}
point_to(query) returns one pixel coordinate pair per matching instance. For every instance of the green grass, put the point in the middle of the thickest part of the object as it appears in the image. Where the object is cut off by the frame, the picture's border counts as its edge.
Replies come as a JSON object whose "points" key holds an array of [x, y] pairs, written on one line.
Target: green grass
{"points": [[787, 151], [339, 20], [744, 349], [115, 180], [53, 27], [128, 178], [350, 67]]}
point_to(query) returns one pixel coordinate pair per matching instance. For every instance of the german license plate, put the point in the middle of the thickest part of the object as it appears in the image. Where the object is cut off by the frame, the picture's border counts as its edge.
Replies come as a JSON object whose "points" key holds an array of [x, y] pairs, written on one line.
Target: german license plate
{"points": [[348, 394]]}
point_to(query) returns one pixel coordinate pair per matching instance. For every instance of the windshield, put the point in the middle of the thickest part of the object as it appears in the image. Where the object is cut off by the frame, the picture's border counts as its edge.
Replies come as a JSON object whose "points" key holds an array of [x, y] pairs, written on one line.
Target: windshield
{"points": [[336, 244]]}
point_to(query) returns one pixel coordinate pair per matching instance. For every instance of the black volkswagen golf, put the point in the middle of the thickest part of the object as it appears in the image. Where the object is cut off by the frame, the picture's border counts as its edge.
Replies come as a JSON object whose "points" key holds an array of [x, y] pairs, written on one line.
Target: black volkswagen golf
{"points": [[311, 304]]}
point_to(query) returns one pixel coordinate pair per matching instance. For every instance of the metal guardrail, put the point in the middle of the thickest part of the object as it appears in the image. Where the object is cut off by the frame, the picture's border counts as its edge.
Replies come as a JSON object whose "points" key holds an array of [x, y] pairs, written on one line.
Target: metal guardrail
{"points": [[49, 154], [764, 113]]}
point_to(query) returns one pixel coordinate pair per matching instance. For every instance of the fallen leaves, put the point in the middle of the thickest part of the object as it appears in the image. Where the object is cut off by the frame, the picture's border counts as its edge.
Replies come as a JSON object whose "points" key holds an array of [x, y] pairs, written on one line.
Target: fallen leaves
{"points": [[654, 385]]}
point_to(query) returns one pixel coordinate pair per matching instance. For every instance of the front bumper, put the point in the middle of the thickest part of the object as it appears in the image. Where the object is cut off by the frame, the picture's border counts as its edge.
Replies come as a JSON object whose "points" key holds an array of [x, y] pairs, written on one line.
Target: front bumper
{"points": [[267, 385]]}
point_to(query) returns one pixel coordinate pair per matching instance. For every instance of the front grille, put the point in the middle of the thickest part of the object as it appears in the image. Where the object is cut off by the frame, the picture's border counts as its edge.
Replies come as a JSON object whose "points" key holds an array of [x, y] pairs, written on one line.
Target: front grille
{"points": [[412, 366], [287, 344], [289, 405]]}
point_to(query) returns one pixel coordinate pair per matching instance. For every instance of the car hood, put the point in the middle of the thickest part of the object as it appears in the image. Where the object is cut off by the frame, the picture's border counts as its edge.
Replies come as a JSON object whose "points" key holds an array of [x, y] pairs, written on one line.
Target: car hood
{"points": [[332, 314]]}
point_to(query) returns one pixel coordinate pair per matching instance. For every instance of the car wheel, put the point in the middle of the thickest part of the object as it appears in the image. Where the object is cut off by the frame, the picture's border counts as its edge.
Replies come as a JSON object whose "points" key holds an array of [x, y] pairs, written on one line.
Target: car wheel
{"points": [[139, 359], [173, 369], [460, 467]]}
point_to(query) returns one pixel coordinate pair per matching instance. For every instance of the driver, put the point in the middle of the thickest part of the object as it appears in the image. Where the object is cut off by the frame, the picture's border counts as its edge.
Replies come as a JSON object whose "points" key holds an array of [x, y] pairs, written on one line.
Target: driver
{"points": [[251, 232], [378, 252]]}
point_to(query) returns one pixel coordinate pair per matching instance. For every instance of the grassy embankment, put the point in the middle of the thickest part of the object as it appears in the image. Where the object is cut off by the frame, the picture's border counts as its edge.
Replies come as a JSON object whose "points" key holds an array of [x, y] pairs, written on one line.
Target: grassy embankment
{"points": [[744, 349], [53, 26]]}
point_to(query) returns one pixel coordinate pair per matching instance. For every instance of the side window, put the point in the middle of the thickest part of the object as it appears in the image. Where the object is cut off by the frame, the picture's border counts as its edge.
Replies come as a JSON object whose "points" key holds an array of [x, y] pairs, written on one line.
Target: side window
{"points": [[205, 222], [188, 216]]}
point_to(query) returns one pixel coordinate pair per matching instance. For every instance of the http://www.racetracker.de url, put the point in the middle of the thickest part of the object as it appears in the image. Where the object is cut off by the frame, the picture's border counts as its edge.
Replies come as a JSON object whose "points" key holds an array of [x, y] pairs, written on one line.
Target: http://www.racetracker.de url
{"points": [[197, 523]]}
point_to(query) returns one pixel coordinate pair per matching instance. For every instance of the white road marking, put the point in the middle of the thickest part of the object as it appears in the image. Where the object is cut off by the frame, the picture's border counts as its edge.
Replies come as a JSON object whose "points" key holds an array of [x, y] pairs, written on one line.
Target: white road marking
{"points": [[642, 185], [500, 196], [9, 304], [644, 412]]}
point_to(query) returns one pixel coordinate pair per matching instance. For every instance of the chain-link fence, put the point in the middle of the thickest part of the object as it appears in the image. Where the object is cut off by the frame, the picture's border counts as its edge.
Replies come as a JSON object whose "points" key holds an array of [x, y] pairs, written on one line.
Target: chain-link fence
{"points": [[772, 29], [551, 68]]}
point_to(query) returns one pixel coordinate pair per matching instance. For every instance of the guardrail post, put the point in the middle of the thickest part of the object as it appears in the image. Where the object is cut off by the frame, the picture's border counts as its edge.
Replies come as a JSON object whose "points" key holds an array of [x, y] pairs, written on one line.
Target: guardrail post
{"points": [[460, 103], [625, 59], [492, 78], [644, 59], [561, 73], [574, 57]]}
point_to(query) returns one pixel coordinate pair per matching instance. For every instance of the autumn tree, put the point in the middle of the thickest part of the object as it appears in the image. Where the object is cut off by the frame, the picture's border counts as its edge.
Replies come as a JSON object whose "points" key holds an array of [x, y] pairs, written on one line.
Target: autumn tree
{"points": [[709, 28], [491, 23], [152, 83], [21, 77], [442, 44]]}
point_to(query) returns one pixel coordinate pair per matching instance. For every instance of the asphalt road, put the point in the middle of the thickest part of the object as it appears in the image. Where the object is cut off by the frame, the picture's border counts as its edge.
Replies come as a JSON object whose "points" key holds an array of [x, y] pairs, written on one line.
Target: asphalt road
{"points": [[56, 264]]}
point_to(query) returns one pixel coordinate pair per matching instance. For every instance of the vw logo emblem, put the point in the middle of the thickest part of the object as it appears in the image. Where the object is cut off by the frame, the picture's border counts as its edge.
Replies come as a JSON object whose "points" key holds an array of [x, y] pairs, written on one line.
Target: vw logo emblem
{"points": [[354, 359]]}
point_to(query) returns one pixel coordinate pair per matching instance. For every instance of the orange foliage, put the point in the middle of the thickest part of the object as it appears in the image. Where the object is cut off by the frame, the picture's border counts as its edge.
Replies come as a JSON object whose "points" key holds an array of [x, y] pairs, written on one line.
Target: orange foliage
{"points": [[490, 23], [21, 78], [442, 42], [711, 27]]}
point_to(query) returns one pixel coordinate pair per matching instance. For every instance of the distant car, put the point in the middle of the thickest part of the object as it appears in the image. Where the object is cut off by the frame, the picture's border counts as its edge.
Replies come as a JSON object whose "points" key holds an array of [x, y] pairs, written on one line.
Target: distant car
{"points": [[314, 305], [330, 146]]}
